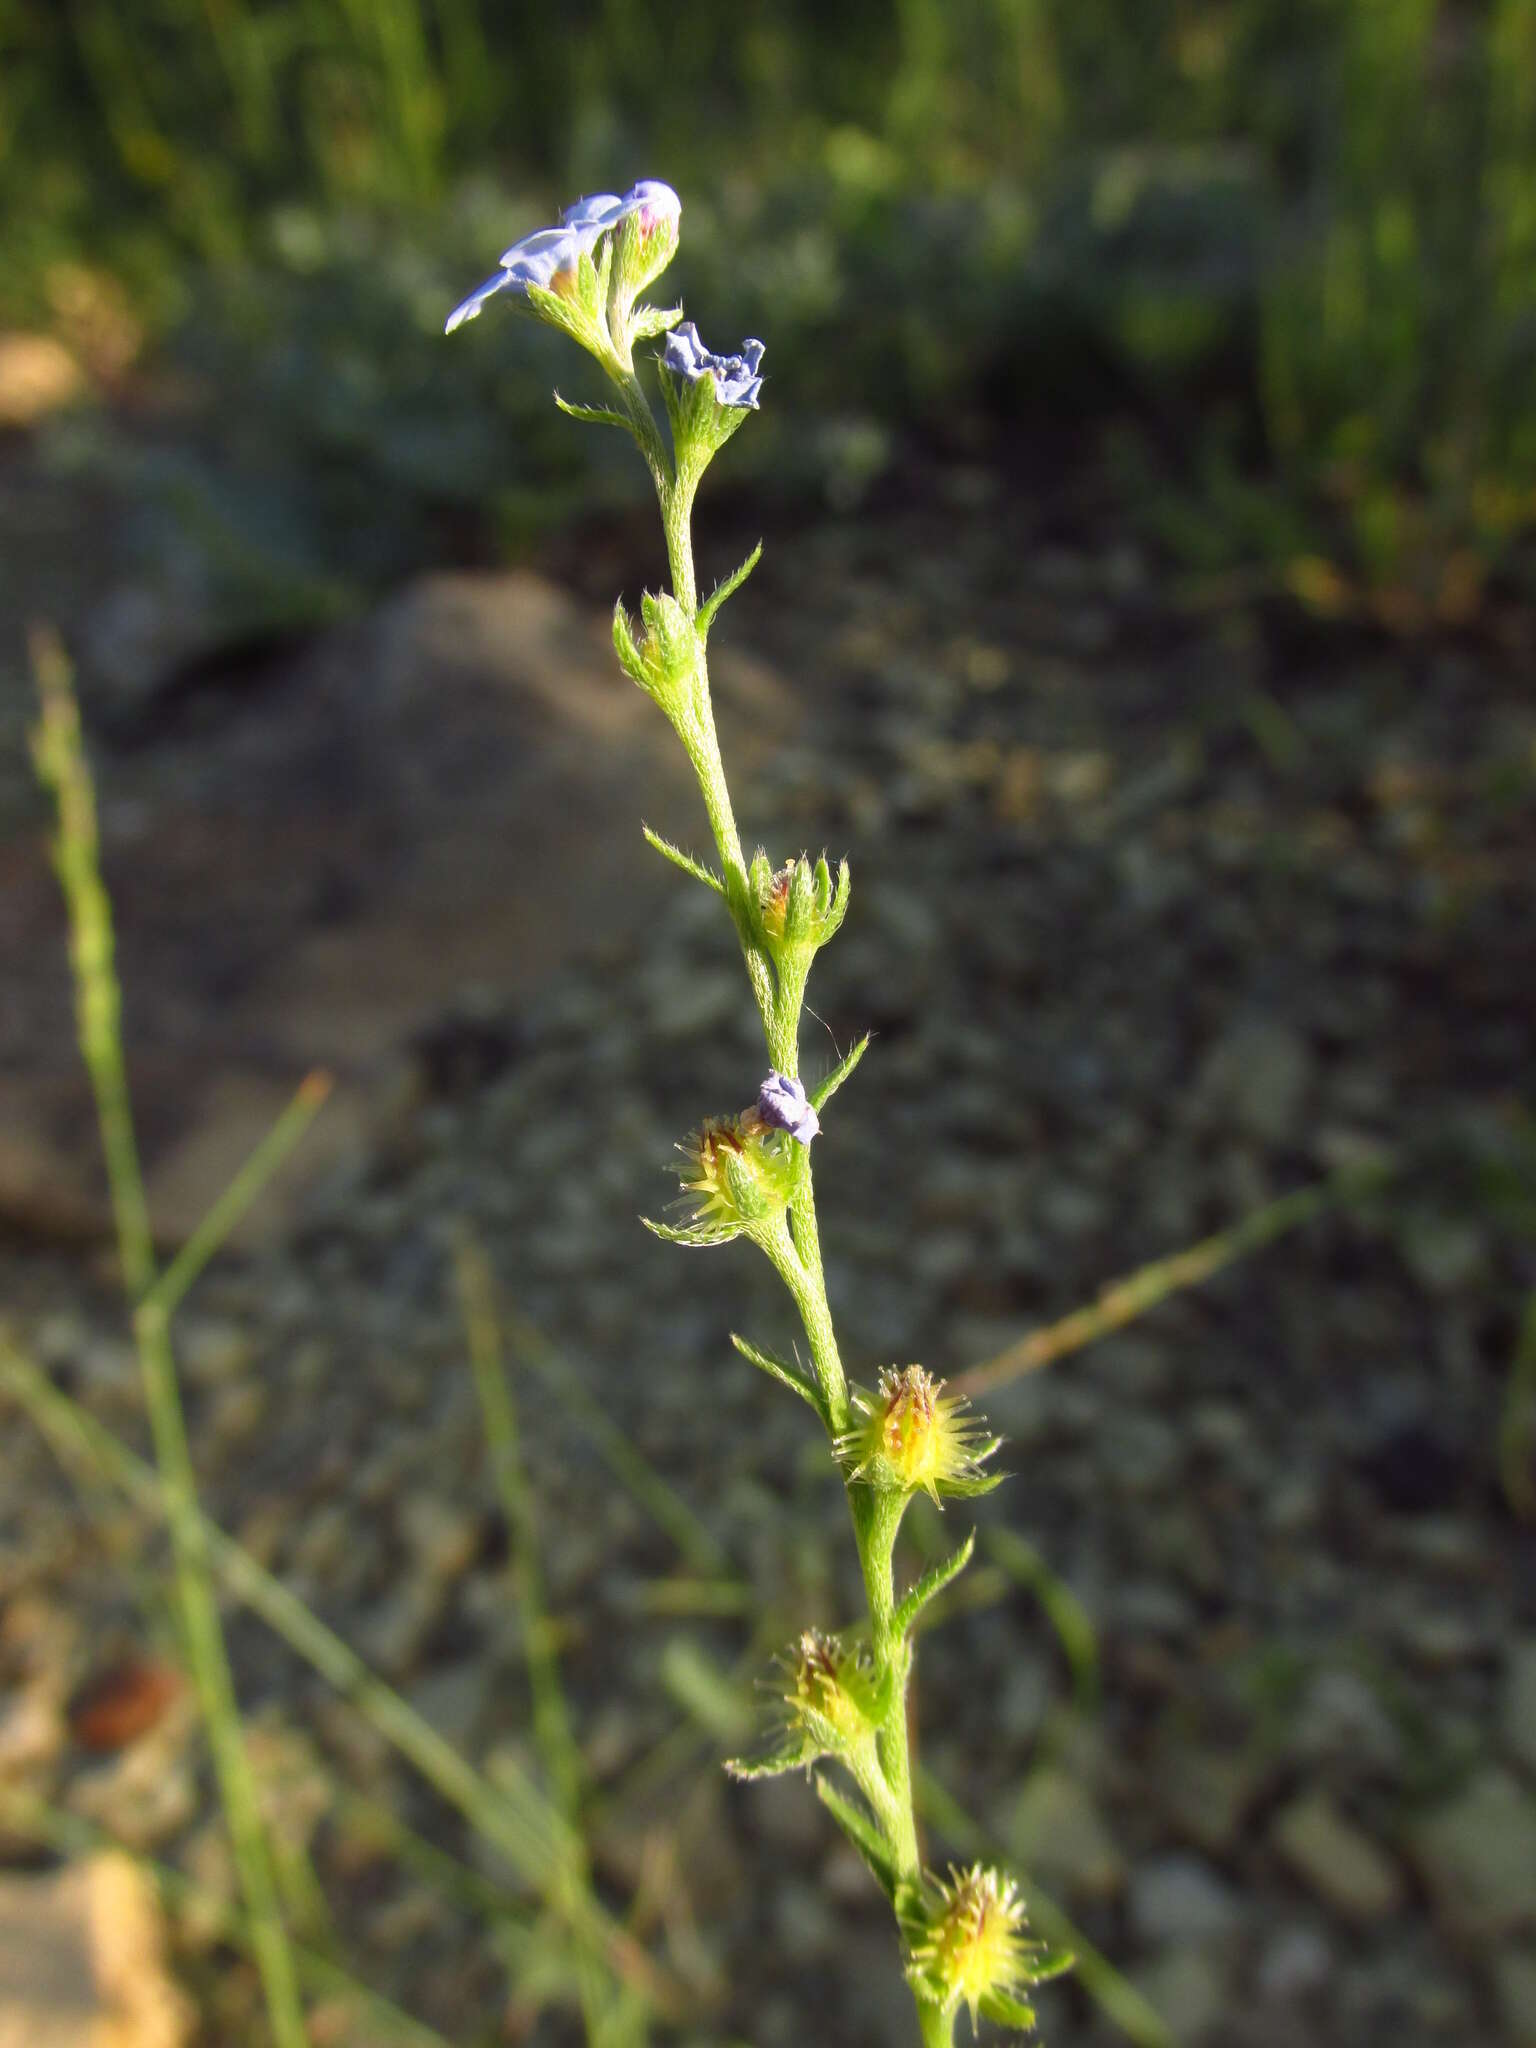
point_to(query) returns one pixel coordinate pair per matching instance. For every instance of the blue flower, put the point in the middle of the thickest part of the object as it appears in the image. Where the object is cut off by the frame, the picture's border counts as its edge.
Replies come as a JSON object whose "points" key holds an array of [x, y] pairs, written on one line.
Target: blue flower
{"points": [[736, 378], [600, 211], [782, 1103], [538, 259], [546, 254]]}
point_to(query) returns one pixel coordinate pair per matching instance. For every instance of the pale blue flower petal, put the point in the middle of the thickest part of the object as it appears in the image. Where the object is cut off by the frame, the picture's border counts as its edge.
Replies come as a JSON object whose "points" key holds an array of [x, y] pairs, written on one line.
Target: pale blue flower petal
{"points": [[736, 378], [469, 309]]}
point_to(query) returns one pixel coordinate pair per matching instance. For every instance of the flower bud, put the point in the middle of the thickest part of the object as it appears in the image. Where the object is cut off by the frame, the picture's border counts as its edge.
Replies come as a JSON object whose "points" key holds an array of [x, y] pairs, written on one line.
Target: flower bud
{"points": [[911, 1435], [645, 241], [831, 1696], [966, 1946], [664, 661], [798, 907], [738, 1176]]}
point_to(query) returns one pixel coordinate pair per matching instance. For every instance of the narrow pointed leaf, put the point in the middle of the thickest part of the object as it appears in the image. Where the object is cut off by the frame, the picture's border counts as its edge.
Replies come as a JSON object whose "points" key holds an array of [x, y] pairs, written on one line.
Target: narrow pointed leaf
{"points": [[692, 1234], [932, 1583], [839, 1074], [1008, 2012], [652, 320], [722, 591], [861, 1832], [780, 1369], [973, 1489], [594, 415], [748, 1767], [682, 860], [1051, 1962]]}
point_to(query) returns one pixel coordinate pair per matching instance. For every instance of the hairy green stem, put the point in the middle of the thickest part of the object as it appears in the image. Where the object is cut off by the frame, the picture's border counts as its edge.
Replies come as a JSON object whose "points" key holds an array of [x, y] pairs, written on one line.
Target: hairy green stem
{"points": [[795, 1250]]}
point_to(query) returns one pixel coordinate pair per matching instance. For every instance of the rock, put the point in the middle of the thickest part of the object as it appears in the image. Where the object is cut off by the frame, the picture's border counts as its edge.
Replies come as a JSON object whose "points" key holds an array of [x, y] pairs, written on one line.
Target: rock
{"points": [[1446, 1255], [32, 1728], [1207, 1796], [1341, 1721], [38, 375], [444, 1538], [1337, 1861], [1477, 1856], [1514, 1976], [1179, 1900], [1060, 1836], [1187, 1990], [82, 1961], [1517, 1706], [444, 795], [148, 1792], [1140, 1454], [1259, 1075], [1297, 1962]]}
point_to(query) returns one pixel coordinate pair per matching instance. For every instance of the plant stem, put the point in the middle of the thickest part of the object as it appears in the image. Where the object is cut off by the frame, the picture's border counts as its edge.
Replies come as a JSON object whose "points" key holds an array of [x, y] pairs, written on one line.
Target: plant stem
{"points": [[795, 1251]]}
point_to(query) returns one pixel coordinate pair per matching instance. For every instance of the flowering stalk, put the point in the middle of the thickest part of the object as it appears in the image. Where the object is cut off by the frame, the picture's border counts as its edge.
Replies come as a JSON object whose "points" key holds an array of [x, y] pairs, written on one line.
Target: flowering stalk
{"points": [[841, 1701]]}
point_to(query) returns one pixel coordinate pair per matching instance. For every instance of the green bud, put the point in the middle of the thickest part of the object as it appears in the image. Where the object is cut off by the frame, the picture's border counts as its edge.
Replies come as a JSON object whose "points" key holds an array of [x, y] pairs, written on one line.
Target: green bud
{"points": [[828, 1702], [797, 907], [664, 660], [644, 244], [738, 1177], [671, 645]]}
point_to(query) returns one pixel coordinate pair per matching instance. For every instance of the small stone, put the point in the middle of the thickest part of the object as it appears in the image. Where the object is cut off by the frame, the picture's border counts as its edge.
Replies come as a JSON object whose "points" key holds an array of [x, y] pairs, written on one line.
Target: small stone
{"points": [[1180, 1899], [38, 375], [1187, 1989], [1207, 1796], [397, 1630], [31, 1729], [1514, 1976], [1446, 1255], [1337, 1861], [1517, 1706], [1295, 1964], [1140, 1454], [444, 1538], [212, 1352], [1059, 1833], [1477, 1856], [1260, 1074], [148, 1792], [1340, 1720], [82, 1961]]}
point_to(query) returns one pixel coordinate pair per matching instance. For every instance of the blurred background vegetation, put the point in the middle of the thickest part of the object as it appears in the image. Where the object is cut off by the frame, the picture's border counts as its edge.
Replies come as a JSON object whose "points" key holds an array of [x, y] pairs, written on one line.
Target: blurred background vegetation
{"points": [[1267, 268]]}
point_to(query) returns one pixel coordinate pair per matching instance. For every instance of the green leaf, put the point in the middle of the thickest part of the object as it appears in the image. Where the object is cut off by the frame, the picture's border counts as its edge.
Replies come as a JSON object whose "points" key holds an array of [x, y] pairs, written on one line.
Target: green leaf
{"points": [[1051, 1962], [748, 1768], [647, 321], [685, 861], [781, 1369], [1009, 2012], [594, 415], [861, 1832], [933, 1583], [984, 1482], [693, 1233], [826, 1089], [722, 591]]}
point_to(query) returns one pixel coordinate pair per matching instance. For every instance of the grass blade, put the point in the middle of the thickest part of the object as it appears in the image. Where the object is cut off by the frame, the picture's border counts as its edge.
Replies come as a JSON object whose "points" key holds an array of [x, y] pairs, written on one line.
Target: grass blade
{"points": [[1124, 1300]]}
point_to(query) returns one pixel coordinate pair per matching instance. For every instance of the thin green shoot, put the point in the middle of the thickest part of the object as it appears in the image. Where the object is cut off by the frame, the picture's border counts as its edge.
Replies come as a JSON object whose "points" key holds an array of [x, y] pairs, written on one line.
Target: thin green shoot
{"points": [[61, 765]]}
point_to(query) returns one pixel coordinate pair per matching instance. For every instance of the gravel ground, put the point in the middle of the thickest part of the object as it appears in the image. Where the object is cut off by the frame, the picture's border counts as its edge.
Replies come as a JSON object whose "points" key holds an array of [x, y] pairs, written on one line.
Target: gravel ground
{"points": [[1156, 915]]}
